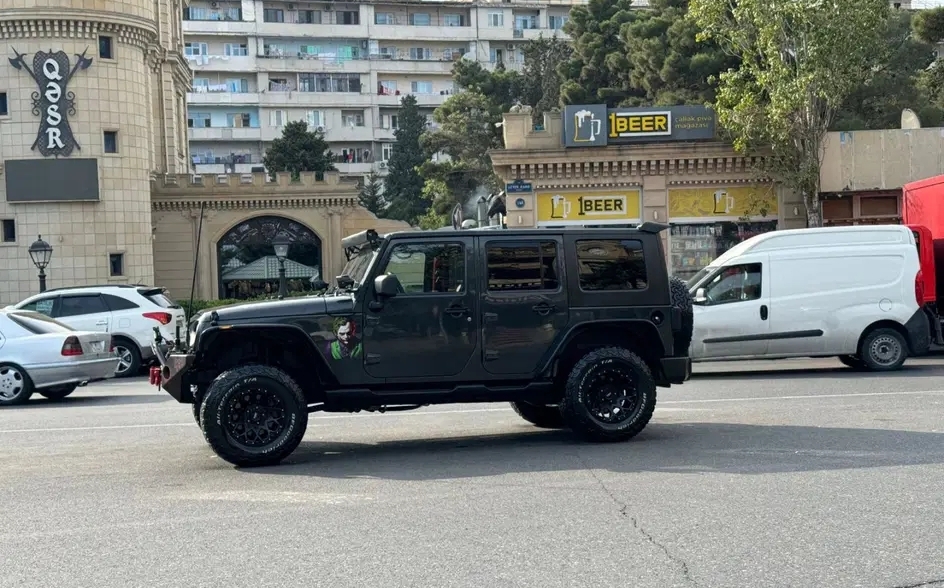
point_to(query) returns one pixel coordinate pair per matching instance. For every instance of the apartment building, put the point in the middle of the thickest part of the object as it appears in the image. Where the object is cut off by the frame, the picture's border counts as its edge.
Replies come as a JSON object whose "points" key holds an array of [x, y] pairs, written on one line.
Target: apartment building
{"points": [[342, 67]]}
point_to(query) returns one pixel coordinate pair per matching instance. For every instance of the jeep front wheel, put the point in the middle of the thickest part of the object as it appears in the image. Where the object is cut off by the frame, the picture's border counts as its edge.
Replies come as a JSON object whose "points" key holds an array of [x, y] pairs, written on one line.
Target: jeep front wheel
{"points": [[539, 415], [254, 416], [610, 395]]}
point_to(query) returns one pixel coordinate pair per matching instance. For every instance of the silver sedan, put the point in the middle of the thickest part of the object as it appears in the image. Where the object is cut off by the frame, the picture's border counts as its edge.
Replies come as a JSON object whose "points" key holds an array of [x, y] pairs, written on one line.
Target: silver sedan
{"points": [[39, 354]]}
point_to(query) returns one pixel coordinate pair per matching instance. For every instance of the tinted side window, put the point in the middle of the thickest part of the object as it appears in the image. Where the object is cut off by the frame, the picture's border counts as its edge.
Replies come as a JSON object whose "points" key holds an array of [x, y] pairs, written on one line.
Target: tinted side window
{"points": [[118, 303], [735, 284], [42, 306], [79, 305], [611, 264], [427, 267], [516, 267]]}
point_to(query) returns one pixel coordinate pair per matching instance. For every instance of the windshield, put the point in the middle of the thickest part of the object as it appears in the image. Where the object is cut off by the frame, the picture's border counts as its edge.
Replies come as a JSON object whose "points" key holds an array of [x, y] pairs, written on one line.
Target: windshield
{"points": [[358, 265], [700, 275]]}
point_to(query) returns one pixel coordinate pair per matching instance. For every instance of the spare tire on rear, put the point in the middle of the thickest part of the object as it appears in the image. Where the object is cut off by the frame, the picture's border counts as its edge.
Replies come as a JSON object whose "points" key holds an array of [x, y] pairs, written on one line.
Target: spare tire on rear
{"points": [[682, 300]]}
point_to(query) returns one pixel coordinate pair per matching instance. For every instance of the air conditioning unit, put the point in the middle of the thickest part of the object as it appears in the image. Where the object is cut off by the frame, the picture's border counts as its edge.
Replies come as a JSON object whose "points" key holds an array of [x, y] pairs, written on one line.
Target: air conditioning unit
{"points": [[321, 129], [214, 4], [510, 46], [383, 165]]}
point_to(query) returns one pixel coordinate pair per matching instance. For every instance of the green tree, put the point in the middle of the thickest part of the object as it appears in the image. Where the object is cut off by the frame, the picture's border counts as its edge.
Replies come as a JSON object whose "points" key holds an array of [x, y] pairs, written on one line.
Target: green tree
{"points": [[299, 150], [928, 27], [596, 72], [371, 194], [403, 186], [896, 83], [668, 65], [540, 80], [799, 62]]}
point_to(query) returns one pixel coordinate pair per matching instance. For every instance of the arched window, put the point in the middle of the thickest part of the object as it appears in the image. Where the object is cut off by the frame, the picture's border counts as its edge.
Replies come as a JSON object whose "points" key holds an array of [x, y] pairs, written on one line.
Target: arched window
{"points": [[248, 267]]}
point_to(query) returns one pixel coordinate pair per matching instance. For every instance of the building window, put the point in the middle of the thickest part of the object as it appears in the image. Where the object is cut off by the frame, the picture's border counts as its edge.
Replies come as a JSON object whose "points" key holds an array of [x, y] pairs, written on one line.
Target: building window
{"points": [[352, 118], [8, 230], [427, 268], [420, 53], [384, 18], [104, 47], [420, 19], [116, 264], [240, 120], [237, 85], [195, 49], [518, 267], [556, 22], [349, 17], [453, 20], [315, 119], [199, 120], [235, 49], [111, 141], [496, 19], [421, 87], [273, 15], [4, 109], [611, 264], [309, 17], [386, 151]]}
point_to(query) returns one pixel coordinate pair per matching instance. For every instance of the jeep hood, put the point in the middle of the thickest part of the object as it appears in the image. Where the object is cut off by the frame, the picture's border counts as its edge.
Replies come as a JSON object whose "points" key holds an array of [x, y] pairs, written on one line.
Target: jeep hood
{"points": [[289, 307]]}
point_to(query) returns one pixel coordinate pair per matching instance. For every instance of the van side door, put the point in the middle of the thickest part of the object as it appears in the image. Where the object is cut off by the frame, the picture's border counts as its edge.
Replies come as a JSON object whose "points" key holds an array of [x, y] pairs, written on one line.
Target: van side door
{"points": [[732, 320]]}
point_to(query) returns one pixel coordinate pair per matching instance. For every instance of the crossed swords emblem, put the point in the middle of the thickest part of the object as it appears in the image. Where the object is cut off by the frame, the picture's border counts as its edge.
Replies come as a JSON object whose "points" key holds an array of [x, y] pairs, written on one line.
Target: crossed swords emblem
{"points": [[52, 102]]}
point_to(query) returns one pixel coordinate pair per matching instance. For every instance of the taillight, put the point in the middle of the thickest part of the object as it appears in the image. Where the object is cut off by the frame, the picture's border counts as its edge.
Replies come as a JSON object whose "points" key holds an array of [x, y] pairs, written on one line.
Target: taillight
{"points": [[72, 346], [162, 317], [919, 288]]}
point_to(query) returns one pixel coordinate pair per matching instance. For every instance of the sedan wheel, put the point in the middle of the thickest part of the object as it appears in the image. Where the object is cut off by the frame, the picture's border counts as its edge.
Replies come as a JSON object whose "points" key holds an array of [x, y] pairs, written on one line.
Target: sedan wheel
{"points": [[129, 363], [15, 386]]}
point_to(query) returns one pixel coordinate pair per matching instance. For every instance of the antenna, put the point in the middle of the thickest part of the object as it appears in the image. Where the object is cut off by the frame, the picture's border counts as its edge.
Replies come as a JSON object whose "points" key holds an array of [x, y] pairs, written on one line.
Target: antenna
{"points": [[196, 258]]}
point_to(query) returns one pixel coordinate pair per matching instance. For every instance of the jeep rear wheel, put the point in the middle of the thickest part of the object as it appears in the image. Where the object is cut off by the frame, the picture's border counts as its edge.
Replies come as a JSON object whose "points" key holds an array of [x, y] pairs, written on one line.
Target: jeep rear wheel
{"points": [[682, 300], [254, 416], [610, 395], [544, 416]]}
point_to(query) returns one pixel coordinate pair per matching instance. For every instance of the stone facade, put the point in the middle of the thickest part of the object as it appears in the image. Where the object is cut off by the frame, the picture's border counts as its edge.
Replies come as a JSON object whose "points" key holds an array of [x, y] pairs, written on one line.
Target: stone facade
{"points": [[328, 208], [134, 92], [704, 189]]}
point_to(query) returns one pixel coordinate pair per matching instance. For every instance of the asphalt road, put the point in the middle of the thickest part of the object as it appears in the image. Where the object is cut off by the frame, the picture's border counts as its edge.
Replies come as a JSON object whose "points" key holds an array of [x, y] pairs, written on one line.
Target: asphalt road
{"points": [[799, 474]]}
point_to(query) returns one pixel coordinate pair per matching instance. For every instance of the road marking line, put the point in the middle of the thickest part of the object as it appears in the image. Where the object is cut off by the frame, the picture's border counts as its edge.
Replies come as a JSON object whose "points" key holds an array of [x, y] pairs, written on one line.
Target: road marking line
{"points": [[472, 410]]}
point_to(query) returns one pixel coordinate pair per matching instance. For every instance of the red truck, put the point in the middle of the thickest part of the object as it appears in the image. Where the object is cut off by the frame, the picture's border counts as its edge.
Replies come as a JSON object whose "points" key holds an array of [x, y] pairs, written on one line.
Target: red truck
{"points": [[922, 205]]}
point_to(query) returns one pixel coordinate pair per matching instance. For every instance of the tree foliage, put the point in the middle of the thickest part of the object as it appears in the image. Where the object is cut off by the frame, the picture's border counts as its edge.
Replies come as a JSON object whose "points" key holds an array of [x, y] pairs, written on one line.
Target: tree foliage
{"points": [[799, 62], [299, 150], [403, 186], [596, 71], [541, 82], [371, 194]]}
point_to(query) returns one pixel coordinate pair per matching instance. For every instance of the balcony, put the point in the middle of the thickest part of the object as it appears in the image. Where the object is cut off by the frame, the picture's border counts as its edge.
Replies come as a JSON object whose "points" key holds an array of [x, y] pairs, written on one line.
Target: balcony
{"points": [[296, 99], [224, 97], [422, 100], [317, 31], [219, 168], [222, 63], [402, 63], [360, 169], [302, 62], [224, 134], [219, 27], [388, 32], [348, 134]]}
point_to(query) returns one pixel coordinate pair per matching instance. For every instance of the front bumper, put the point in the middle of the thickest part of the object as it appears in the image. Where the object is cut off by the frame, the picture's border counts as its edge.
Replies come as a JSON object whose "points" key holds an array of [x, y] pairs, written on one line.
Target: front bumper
{"points": [[677, 370], [173, 370]]}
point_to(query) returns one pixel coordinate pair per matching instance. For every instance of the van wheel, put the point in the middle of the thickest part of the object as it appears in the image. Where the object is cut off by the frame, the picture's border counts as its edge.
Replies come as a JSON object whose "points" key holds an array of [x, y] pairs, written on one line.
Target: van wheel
{"points": [[609, 396], [883, 350], [852, 361]]}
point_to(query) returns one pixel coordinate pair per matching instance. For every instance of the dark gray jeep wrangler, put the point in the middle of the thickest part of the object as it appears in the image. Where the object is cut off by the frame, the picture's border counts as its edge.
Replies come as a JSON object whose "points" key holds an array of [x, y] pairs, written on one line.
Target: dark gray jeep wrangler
{"points": [[575, 327]]}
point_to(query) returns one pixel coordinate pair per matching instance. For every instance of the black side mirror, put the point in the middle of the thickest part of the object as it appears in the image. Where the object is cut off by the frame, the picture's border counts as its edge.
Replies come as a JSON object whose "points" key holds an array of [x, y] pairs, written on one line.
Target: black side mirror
{"points": [[345, 281], [387, 286]]}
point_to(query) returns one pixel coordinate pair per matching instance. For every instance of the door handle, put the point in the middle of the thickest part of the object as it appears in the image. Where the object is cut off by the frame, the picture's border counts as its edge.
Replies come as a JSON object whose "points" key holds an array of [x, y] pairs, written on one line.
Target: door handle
{"points": [[543, 309], [457, 311], [763, 312], [101, 324]]}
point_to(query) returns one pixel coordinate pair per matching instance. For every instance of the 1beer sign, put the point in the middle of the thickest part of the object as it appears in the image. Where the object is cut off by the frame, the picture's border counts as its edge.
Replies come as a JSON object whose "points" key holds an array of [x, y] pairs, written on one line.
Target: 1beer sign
{"points": [[582, 208], [53, 103], [634, 124]]}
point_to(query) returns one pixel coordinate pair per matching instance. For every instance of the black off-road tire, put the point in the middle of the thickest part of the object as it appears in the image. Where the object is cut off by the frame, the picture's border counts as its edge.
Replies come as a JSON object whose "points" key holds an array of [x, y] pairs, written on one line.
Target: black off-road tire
{"points": [[253, 382], [682, 300], [195, 408], [852, 361], [58, 393], [543, 416], [878, 339], [576, 405], [19, 387]]}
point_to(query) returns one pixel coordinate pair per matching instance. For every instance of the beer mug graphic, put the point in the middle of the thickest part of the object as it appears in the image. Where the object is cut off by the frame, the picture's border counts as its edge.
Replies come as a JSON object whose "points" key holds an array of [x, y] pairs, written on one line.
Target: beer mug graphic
{"points": [[724, 203], [586, 127], [560, 207]]}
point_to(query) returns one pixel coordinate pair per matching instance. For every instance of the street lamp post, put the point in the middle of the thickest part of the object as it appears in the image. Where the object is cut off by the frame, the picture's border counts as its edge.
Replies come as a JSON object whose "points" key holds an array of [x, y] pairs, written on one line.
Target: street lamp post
{"points": [[280, 244], [41, 252]]}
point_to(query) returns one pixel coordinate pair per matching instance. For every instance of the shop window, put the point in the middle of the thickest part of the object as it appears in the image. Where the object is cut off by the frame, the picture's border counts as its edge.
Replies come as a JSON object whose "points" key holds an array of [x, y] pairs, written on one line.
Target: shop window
{"points": [[736, 283], [695, 245], [513, 268], [434, 267], [611, 264]]}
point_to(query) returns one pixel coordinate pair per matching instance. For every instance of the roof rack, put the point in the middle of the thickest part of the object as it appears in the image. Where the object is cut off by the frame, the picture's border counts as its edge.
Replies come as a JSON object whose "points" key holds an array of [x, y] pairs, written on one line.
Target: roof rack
{"points": [[65, 288]]}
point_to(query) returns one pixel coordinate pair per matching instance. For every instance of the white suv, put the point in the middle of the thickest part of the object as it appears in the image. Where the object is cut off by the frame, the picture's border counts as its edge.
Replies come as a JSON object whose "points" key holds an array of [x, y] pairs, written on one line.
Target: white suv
{"points": [[128, 312]]}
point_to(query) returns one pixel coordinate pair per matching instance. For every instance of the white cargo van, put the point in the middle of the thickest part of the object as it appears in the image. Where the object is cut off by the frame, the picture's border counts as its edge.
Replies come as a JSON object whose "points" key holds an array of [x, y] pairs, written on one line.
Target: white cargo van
{"points": [[848, 292]]}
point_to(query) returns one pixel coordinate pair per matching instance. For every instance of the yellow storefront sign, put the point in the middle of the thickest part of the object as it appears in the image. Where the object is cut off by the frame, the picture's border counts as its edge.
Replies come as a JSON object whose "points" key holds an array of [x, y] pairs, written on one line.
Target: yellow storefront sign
{"points": [[587, 208], [755, 202]]}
